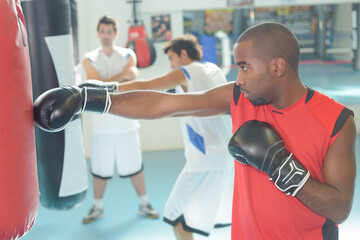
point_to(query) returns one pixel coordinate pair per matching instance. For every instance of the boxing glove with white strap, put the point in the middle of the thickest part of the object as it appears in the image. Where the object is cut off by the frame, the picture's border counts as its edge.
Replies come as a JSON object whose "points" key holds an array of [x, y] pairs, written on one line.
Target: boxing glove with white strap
{"points": [[259, 144], [110, 86], [55, 108]]}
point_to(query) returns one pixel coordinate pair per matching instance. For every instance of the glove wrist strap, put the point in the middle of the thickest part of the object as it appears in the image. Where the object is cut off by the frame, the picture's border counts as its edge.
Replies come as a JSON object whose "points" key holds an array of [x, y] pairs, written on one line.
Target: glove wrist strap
{"points": [[290, 176]]}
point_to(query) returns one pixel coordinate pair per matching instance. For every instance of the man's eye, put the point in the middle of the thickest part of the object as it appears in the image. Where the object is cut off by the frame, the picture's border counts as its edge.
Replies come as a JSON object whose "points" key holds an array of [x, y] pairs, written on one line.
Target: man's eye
{"points": [[244, 68]]}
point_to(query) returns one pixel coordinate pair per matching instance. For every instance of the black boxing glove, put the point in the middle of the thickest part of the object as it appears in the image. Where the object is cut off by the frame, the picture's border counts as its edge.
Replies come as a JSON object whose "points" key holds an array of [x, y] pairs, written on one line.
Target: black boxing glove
{"points": [[110, 86], [56, 108], [235, 149], [260, 145]]}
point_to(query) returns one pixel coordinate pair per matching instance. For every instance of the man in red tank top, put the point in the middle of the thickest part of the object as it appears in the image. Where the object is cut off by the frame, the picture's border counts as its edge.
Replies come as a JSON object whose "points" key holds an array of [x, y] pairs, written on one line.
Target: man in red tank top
{"points": [[318, 131], [293, 146]]}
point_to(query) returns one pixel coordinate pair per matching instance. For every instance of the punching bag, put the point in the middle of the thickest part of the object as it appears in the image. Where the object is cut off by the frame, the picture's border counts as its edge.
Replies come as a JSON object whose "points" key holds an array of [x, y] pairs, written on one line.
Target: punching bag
{"points": [[60, 157], [19, 190], [141, 45], [139, 42]]}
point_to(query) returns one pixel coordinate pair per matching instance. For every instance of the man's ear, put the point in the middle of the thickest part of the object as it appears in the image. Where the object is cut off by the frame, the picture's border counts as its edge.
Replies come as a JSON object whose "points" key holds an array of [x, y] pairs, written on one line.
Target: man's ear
{"points": [[278, 66], [183, 54]]}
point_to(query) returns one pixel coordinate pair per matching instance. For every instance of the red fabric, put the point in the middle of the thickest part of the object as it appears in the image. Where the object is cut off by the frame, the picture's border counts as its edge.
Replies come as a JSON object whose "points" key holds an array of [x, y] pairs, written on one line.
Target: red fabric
{"points": [[19, 191], [142, 46], [136, 32], [260, 210], [142, 52]]}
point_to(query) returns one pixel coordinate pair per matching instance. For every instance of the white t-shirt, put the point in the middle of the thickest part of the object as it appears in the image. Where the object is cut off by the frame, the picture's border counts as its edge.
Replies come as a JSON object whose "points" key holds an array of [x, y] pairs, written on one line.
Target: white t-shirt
{"points": [[107, 67], [205, 138]]}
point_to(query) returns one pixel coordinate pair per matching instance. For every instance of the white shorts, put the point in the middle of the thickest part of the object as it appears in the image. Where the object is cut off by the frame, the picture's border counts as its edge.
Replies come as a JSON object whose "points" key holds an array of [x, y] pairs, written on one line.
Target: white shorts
{"points": [[201, 200], [115, 149]]}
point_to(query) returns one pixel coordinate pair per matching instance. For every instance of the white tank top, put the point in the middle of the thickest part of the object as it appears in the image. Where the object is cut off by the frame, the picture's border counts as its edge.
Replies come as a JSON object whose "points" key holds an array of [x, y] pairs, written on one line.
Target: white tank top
{"points": [[107, 67], [205, 138]]}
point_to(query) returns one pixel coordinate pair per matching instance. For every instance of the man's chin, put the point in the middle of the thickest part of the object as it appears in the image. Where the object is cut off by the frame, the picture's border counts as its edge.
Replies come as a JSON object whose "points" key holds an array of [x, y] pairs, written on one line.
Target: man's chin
{"points": [[107, 43], [257, 101]]}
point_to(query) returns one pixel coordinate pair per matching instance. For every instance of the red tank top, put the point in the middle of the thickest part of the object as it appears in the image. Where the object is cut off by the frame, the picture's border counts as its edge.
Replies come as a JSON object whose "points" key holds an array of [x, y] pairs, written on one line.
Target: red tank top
{"points": [[308, 127]]}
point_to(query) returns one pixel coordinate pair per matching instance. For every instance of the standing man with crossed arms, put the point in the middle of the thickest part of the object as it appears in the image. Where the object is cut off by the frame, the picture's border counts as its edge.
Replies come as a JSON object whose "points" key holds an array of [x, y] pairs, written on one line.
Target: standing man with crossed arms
{"points": [[294, 147], [201, 197], [114, 138]]}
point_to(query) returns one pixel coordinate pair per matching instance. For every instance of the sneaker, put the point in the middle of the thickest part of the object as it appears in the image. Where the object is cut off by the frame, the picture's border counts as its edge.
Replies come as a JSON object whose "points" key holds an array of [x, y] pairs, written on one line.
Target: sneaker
{"points": [[94, 213], [148, 211]]}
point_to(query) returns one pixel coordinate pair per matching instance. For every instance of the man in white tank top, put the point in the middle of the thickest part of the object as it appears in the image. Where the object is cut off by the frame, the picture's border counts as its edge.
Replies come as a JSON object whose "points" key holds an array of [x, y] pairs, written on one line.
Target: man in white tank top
{"points": [[114, 140], [202, 195]]}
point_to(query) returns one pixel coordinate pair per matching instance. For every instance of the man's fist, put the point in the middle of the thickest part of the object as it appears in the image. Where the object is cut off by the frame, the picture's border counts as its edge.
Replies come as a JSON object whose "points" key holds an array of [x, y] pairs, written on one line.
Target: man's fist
{"points": [[258, 143], [55, 108]]}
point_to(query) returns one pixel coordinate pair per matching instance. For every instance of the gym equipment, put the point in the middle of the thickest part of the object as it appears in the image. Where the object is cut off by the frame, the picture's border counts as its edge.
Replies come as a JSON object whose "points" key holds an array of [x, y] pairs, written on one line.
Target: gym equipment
{"points": [[19, 189], [61, 163], [139, 42]]}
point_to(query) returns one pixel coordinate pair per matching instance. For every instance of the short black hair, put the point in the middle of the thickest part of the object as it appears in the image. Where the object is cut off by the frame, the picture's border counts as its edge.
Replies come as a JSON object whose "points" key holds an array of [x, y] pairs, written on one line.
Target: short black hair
{"points": [[271, 40], [188, 42]]}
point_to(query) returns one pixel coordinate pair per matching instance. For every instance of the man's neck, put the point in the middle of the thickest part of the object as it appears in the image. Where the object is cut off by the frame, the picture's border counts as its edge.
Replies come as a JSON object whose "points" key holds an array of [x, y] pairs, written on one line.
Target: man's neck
{"points": [[189, 60], [107, 50], [293, 92]]}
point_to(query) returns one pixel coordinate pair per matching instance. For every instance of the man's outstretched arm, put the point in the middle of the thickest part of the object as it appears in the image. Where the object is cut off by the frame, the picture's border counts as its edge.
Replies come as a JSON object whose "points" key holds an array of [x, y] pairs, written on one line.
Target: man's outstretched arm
{"points": [[152, 104], [55, 108]]}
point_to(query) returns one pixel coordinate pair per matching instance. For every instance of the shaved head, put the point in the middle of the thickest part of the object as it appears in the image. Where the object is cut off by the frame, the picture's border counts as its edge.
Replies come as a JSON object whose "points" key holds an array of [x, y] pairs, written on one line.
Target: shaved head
{"points": [[272, 40]]}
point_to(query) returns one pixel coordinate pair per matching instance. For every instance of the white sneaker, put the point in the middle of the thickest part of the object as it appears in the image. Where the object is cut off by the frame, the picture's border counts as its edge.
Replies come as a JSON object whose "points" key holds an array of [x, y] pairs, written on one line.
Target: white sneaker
{"points": [[94, 213], [148, 211]]}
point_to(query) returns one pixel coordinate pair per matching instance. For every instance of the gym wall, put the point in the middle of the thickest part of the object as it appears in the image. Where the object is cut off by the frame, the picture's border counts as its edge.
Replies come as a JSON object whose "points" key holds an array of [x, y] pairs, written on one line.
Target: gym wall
{"points": [[162, 134]]}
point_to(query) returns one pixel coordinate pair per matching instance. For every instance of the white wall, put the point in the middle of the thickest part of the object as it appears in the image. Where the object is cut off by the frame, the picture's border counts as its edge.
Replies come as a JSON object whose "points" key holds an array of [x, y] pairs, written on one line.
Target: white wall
{"points": [[89, 11], [154, 134], [343, 24], [268, 3]]}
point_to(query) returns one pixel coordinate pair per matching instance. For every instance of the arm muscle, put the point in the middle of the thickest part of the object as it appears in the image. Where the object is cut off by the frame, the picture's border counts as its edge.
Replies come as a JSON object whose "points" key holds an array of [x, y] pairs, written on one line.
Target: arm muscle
{"points": [[333, 199], [152, 104]]}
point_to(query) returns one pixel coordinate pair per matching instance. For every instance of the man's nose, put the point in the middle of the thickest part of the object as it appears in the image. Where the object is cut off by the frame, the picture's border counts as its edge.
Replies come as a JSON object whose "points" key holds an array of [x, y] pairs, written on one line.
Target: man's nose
{"points": [[240, 79]]}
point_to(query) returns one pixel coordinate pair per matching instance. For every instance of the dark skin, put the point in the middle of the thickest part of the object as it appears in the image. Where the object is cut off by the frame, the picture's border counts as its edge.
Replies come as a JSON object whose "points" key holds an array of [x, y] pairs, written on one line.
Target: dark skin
{"points": [[275, 83]]}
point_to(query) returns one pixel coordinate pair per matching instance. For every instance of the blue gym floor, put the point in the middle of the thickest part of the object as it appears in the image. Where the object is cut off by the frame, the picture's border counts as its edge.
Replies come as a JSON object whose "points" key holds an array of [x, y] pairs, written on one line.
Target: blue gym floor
{"points": [[161, 169]]}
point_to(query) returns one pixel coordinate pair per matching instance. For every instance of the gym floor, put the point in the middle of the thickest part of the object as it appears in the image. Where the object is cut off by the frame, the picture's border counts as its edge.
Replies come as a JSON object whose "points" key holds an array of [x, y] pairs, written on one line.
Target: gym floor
{"points": [[161, 168]]}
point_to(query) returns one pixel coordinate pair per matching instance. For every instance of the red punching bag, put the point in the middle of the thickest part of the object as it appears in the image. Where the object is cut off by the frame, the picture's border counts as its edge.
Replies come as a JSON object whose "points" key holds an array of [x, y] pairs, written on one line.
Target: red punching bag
{"points": [[139, 42], [19, 190]]}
